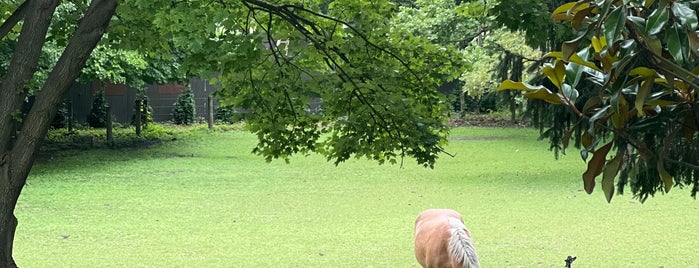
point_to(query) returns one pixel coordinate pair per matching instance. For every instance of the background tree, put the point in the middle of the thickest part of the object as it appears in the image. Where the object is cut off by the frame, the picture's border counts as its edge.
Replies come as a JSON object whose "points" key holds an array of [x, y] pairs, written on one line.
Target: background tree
{"points": [[639, 106]]}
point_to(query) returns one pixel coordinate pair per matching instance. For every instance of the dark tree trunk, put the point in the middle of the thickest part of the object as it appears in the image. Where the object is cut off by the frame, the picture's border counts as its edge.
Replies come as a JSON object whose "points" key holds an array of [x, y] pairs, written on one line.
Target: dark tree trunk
{"points": [[17, 149]]}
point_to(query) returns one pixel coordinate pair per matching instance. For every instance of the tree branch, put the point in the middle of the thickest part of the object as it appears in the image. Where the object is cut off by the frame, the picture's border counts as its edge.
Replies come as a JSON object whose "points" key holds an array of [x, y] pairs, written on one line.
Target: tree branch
{"points": [[16, 16]]}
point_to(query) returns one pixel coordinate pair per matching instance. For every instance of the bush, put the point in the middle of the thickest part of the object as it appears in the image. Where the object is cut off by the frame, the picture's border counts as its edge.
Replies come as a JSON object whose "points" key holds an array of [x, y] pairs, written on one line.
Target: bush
{"points": [[225, 114], [62, 116], [184, 112], [98, 114]]}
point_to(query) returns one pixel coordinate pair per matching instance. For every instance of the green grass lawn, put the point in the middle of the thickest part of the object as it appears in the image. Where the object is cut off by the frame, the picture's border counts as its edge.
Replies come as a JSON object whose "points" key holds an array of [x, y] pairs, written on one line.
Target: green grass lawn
{"points": [[205, 201]]}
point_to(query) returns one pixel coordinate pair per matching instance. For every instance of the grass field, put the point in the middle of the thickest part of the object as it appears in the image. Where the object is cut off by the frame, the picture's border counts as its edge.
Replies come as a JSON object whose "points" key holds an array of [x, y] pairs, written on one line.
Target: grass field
{"points": [[205, 201]]}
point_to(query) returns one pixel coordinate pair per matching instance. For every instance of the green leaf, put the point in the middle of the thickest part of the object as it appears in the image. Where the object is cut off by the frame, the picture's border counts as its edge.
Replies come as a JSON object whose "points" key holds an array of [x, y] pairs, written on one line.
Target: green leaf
{"points": [[687, 16], [614, 25], [556, 73], [674, 44], [512, 85], [642, 94], [544, 94], [594, 167], [657, 21], [575, 58], [610, 170]]}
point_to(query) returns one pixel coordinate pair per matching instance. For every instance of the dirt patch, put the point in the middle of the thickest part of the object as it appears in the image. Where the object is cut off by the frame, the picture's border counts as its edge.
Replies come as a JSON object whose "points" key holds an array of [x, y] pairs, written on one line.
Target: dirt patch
{"points": [[485, 120], [481, 138]]}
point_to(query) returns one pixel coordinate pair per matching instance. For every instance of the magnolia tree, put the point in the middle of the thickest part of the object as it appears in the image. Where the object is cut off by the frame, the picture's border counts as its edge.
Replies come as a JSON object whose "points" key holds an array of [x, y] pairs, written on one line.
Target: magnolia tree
{"points": [[625, 91]]}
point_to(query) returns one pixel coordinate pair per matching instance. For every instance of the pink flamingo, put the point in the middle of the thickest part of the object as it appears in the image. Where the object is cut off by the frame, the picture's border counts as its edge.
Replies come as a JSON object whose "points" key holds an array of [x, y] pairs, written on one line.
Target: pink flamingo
{"points": [[442, 240]]}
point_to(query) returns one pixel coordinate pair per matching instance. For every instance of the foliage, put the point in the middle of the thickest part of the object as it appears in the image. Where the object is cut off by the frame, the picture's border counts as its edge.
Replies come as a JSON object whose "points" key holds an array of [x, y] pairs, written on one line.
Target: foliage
{"points": [[377, 83], [533, 18], [639, 116], [444, 22], [485, 58], [225, 114], [184, 111], [62, 116], [97, 118]]}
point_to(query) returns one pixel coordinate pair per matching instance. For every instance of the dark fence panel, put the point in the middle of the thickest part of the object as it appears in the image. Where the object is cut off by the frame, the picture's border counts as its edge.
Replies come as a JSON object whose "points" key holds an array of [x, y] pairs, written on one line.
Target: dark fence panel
{"points": [[121, 98]]}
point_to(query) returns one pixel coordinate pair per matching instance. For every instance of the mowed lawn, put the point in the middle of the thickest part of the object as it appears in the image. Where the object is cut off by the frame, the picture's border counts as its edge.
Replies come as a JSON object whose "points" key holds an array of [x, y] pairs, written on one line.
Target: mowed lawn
{"points": [[205, 201]]}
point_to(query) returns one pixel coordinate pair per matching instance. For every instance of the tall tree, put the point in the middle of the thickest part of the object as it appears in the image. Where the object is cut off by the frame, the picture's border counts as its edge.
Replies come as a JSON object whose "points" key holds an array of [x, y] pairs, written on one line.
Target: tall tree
{"points": [[377, 84]]}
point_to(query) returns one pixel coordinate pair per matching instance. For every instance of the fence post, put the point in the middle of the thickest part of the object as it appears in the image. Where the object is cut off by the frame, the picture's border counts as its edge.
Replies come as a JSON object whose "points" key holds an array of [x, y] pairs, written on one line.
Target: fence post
{"points": [[70, 116], [210, 111], [138, 118], [110, 135]]}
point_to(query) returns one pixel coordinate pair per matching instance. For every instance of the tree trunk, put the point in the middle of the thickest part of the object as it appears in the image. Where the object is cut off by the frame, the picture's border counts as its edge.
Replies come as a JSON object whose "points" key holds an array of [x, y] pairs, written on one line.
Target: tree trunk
{"points": [[210, 111], [17, 149], [8, 221]]}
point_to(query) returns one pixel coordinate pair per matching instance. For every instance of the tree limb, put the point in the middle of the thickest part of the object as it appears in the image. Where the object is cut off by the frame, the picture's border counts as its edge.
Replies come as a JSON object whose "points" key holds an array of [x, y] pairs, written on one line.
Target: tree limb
{"points": [[16, 16]]}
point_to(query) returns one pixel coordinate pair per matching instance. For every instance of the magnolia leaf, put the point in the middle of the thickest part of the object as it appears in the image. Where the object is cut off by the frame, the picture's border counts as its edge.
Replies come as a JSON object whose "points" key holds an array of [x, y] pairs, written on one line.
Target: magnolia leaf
{"points": [[621, 110], [598, 43], [614, 24], [648, 3], [580, 17], [570, 47], [611, 169], [693, 39], [638, 22], [568, 10], [654, 44], [512, 85], [594, 167], [544, 94], [657, 20], [643, 71], [574, 58], [674, 44], [592, 103], [666, 177], [570, 93], [556, 73], [687, 16], [642, 94]]}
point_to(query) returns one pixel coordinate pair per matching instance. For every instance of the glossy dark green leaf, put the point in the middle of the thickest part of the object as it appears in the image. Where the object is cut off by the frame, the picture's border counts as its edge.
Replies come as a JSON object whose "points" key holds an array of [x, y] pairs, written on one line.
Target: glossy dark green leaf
{"points": [[674, 44], [657, 20], [686, 16], [614, 24]]}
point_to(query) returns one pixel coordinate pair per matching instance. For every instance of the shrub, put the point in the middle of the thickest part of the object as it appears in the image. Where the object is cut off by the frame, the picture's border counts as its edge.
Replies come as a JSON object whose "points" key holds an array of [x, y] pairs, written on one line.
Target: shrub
{"points": [[98, 114], [62, 116], [184, 112], [225, 114]]}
